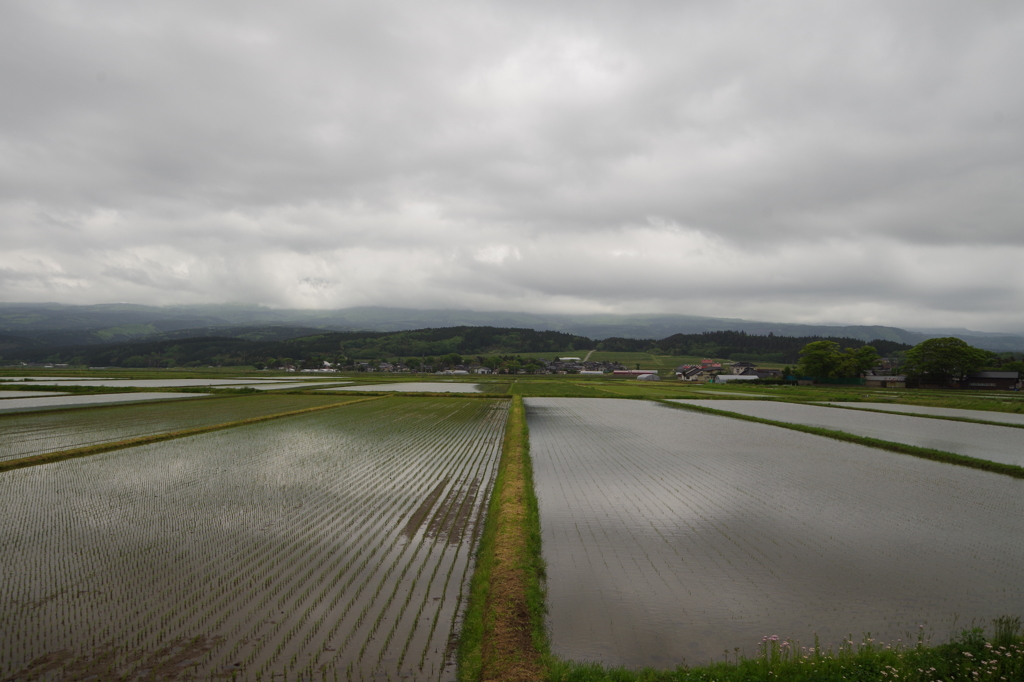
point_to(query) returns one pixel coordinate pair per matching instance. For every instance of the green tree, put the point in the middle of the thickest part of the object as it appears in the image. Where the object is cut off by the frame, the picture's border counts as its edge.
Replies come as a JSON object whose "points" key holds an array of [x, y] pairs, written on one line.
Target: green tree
{"points": [[820, 359], [827, 359], [944, 359], [855, 361]]}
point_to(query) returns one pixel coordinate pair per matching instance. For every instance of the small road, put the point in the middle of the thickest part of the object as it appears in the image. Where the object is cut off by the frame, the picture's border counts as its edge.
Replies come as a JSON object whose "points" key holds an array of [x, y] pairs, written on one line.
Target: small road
{"points": [[588, 355]]}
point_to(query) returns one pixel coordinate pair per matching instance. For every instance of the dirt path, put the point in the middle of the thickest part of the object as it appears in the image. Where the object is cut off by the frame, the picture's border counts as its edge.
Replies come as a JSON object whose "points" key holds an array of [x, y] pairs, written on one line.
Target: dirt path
{"points": [[589, 353]]}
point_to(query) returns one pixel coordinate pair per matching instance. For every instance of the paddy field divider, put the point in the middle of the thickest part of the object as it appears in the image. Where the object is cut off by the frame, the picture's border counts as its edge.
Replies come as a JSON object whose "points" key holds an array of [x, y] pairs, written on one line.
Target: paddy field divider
{"points": [[902, 448], [503, 635], [86, 451]]}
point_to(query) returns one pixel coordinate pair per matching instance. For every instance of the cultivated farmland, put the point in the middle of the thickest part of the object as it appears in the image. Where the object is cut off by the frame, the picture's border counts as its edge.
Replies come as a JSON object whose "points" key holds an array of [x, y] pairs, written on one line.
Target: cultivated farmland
{"points": [[983, 415], [331, 545], [26, 434], [671, 536], [993, 443], [59, 402]]}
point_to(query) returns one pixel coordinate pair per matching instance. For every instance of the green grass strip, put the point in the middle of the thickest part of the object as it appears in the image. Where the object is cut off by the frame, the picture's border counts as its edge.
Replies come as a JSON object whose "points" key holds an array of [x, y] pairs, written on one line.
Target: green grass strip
{"points": [[98, 448], [970, 656], [503, 635], [902, 448]]}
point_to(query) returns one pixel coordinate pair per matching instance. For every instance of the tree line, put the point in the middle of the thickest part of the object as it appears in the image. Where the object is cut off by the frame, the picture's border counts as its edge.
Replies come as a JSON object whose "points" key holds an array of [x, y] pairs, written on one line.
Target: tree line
{"points": [[937, 361]]}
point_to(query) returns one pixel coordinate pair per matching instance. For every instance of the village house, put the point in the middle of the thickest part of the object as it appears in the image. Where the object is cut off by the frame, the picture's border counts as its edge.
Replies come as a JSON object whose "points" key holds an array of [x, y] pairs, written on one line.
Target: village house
{"points": [[740, 367]]}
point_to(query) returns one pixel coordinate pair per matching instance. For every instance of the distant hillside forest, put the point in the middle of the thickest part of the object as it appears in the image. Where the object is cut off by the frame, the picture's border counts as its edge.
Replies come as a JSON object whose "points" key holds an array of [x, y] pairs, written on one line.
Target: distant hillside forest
{"points": [[346, 347], [739, 346]]}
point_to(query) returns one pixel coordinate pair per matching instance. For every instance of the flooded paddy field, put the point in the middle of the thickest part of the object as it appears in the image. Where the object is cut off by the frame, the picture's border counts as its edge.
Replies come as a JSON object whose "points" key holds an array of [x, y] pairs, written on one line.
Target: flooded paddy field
{"points": [[44, 379], [34, 433], [154, 383], [673, 535], [29, 394], [985, 415], [994, 443], [293, 385], [415, 387], [331, 545], [88, 400]]}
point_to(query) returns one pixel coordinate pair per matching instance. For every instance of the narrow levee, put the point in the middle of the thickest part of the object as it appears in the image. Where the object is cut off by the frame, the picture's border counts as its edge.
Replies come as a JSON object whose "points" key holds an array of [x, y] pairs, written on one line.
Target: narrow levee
{"points": [[503, 633]]}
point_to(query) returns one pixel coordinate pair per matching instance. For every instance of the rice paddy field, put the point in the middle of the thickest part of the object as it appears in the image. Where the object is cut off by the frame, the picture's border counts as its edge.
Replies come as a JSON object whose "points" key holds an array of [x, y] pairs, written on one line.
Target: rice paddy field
{"points": [[984, 415], [338, 544], [415, 387], [329, 545], [35, 433], [1001, 444], [285, 385], [673, 536], [151, 383], [33, 403], [28, 394]]}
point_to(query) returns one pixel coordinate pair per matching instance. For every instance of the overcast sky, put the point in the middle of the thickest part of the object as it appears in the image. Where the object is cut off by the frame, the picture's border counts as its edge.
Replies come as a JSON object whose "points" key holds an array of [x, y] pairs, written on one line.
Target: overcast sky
{"points": [[850, 162]]}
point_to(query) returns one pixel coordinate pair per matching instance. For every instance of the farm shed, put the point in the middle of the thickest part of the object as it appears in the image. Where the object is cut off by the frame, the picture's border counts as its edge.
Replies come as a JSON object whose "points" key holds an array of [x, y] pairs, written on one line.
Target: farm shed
{"points": [[648, 377], [885, 381], [725, 378], [1006, 381]]}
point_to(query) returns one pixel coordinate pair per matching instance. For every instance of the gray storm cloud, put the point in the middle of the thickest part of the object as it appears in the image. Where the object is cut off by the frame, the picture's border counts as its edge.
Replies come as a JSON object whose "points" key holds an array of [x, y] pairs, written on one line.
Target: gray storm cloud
{"points": [[792, 161]]}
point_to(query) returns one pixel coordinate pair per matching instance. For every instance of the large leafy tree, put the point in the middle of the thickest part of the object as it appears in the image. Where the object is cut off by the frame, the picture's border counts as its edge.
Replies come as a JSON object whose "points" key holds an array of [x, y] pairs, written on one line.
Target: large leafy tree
{"points": [[827, 359], [819, 359], [945, 358]]}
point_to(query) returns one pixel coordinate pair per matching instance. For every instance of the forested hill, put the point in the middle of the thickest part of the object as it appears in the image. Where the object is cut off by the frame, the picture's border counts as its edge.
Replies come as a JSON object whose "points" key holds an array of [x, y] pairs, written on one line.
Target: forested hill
{"points": [[330, 346], [346, 346], [740, 345]]}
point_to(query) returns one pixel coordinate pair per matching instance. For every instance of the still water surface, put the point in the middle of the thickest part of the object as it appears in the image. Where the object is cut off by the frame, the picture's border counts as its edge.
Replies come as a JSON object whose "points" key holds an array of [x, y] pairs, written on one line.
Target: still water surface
{"points": [[984, 415], [415, 387], [53, 402], [28, 394], [995, 443], [674, 536], [151, 383]]}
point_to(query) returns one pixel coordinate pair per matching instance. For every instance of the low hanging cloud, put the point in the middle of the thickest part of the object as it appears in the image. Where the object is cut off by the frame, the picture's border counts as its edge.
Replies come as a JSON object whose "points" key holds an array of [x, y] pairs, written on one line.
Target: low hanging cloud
{"points": [[792, 161]]}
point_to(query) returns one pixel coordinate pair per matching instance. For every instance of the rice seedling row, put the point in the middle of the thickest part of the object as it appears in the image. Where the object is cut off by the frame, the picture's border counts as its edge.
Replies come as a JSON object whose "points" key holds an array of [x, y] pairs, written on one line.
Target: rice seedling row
{"points": [[279, 548], [27, 434], [681, 536]]}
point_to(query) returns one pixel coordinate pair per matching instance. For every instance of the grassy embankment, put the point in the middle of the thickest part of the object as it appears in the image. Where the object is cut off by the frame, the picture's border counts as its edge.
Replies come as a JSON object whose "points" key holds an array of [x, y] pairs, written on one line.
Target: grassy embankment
{"points": [[503, 635], [98, 448], [971, 656], [924, 453]]}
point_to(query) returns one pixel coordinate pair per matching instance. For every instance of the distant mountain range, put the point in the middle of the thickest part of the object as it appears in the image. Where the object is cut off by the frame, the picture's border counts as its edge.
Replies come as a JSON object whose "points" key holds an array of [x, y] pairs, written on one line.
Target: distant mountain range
{"points": [[53, 324]]}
